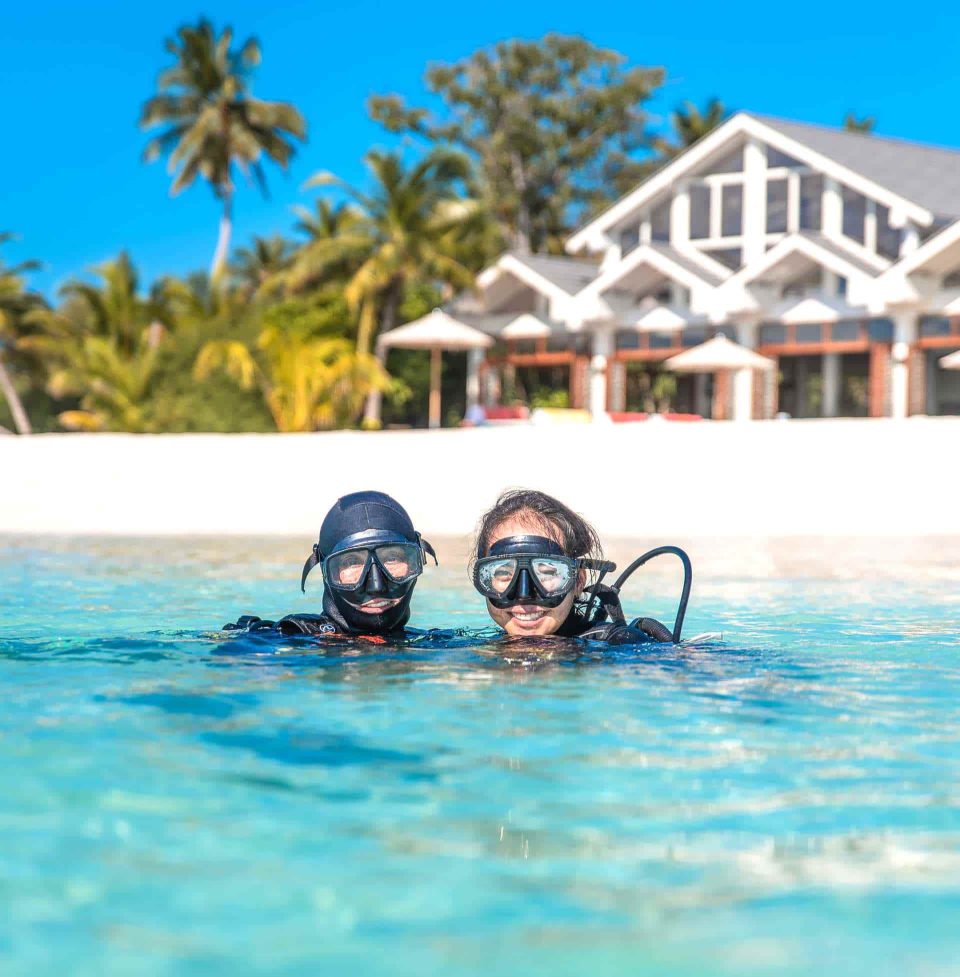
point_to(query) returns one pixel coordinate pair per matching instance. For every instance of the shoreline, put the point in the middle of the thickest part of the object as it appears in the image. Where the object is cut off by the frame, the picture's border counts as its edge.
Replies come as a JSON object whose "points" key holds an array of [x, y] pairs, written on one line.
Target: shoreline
{"points": [[818, 478]]}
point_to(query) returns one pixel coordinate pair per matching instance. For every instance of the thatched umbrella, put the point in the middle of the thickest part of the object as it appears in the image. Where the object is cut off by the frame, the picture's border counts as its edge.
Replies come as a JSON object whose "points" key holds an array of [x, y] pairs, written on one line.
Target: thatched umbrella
{"points": [[436, 331], [525, 326], [723, 357], [951, 361]]}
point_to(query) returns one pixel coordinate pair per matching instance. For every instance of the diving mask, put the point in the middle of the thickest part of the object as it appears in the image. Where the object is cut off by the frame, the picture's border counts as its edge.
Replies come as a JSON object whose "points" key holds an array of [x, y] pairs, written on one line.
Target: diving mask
{"points": [[528, 570]]}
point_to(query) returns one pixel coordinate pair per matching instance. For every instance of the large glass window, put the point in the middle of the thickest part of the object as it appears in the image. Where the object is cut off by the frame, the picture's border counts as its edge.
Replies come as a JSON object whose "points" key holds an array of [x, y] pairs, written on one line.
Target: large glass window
{"points": [[629, 239], [731, 210], [660, 222], [731, 163], [854, 214], [776, 158], [888, 238], [699, 211], [811, 201], [776, 206]]}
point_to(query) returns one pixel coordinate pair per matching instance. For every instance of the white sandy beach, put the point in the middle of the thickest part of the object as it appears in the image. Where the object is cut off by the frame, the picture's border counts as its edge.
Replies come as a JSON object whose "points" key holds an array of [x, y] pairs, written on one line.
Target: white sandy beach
{"points": [[648, 480]]}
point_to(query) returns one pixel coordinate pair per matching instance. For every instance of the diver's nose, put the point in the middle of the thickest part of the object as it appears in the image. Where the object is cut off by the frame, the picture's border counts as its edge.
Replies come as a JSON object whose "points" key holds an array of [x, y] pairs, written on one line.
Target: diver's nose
{"points": [[375, 582], [524, 588]]}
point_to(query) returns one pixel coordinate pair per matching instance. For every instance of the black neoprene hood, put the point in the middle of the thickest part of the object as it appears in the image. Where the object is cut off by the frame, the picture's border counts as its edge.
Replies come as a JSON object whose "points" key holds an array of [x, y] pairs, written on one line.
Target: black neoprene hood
{"points": [[364, 519], [361, 512]]}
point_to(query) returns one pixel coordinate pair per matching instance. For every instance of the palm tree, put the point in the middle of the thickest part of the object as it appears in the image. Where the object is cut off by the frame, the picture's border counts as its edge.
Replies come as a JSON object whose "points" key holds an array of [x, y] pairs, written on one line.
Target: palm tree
{"points": [[212, 123], [690, 124], [102, 345], [308, 383], [864, 125], [411, 227], [15, 303], [255, 267]]}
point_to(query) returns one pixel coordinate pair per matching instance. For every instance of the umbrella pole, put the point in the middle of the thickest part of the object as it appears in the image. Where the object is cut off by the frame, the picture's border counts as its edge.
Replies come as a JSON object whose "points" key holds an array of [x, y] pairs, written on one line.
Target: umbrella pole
{"points": [[435, 355]]}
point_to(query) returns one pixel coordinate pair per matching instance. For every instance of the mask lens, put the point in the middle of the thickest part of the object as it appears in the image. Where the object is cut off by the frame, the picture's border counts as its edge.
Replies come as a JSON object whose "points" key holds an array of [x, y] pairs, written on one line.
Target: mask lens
{"points": [[346, 569], [553, 576], [401, 562], [496, 576]]}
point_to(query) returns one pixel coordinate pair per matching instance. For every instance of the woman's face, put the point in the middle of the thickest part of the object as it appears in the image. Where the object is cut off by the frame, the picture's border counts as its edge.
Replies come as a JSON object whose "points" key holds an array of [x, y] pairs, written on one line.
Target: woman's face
{"points": [[531, 619]]}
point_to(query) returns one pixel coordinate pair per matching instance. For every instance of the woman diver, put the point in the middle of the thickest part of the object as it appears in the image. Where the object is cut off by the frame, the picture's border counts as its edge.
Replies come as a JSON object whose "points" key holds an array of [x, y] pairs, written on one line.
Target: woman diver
{"points": [[370, 557], [540, 567]]}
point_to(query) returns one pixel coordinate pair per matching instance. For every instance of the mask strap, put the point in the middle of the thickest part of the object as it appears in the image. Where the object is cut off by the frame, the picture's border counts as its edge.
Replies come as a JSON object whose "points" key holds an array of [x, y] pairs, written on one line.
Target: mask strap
{"points": [[313, 559], [427, 548]]}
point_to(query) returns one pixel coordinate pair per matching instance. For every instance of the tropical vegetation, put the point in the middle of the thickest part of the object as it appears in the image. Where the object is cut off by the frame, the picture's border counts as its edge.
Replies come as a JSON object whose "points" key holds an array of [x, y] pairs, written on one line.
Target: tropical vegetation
{"points": [[523, 141]]}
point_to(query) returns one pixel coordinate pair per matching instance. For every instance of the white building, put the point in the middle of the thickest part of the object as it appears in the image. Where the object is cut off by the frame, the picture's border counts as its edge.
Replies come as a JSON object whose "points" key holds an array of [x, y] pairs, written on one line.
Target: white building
{"points": [[835, 253]]}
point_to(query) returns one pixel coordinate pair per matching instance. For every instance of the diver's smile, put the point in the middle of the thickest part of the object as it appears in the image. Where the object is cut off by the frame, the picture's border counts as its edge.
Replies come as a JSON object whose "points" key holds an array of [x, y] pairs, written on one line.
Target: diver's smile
{"points": [[377, 605], [526, 616]]}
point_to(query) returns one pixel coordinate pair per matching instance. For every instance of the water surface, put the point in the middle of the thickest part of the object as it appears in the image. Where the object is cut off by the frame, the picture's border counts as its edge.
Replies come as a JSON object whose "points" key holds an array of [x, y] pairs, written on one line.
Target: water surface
{"points": [[784, 801]]}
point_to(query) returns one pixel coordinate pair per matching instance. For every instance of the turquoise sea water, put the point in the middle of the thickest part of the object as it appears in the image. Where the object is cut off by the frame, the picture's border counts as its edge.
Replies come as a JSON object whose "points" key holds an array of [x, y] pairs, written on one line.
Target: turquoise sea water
{"points": [[786, 801]]}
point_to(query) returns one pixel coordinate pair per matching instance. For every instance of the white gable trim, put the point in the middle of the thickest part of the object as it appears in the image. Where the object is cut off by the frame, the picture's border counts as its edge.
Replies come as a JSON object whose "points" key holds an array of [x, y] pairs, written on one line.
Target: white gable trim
{"points": [[644, 255], [740, 124], [797, 243], [509, 265], [915, 261]]}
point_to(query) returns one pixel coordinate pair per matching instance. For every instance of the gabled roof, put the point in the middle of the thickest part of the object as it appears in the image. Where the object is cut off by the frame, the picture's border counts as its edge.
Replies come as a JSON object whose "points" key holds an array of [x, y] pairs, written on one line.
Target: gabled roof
{"points": [[816, 248], [570, 274], [888, 170], [699, 268], [927, 175], [668, 261]]}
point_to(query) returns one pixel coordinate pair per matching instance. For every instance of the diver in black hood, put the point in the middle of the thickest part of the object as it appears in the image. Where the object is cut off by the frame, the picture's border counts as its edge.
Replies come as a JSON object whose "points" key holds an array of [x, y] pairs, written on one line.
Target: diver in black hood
{"points": [[370, 557]]}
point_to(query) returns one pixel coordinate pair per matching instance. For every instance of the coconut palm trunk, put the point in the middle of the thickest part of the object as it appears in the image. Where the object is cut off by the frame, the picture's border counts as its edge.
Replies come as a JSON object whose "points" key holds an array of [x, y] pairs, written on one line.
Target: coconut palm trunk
{"points": [[388, 319], [223, 237], [12, 398]]}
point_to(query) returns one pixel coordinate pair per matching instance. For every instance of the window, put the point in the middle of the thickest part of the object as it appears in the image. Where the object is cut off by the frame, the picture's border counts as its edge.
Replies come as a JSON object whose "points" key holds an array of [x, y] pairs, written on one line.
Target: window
{"points": [[731, 163], [699, 211], [693, 336], [628, 339], [629, 239], [846, 331], [934, 325], [854, 214], [776, 206], [661, 340], [888, 238], [776, 158], [811, 201], [880, 330], [731, 257], [772, 335], [731, 210], [809, 332], [660, 222], [952, 280]]}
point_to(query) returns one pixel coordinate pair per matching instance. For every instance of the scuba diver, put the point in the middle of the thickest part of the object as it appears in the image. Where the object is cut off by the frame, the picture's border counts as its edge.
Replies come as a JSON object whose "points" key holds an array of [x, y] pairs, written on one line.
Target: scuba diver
{"points": [[370, 557], [533, 560]]}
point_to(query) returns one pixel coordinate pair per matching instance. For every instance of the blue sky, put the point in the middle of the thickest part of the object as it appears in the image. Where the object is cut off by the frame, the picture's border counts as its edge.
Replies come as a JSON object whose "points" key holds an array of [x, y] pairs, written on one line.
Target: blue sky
{"points": [[73, 76]]}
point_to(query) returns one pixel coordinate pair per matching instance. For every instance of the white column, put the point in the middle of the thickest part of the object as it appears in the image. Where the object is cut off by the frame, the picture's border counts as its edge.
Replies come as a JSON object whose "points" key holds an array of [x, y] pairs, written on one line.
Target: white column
{"points": [[830, 401], [611, 257], [754, 200], [680, 215], [743, 379], [910, 240], [904, 333], [832, 209], [474, 359], [743, 395], [602, 347]]}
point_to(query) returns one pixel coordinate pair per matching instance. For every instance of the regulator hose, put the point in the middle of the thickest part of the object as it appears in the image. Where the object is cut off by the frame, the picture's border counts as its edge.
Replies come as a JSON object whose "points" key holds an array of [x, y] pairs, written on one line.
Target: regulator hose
{"points": [[687, 581]]}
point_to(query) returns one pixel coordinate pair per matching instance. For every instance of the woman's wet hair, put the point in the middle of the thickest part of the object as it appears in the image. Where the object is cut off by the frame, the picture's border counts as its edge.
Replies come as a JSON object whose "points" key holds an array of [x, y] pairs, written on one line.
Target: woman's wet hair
{"points": [[541, 511]]}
